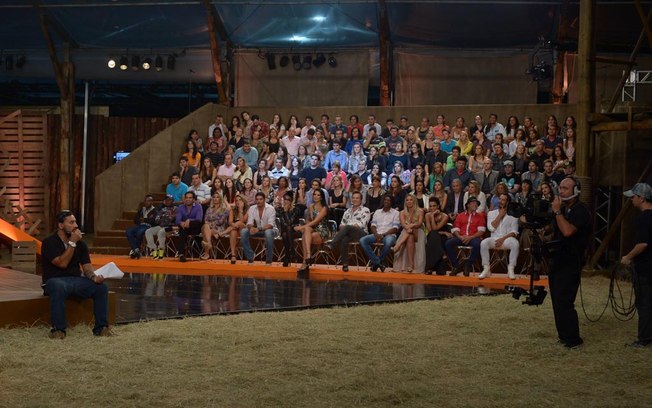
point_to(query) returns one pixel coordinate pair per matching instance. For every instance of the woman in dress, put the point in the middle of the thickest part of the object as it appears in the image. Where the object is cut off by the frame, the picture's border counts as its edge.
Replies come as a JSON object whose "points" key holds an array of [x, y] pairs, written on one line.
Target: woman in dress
{"points": [[436, 225], [421, 194], [337, 199], [260, 173], [569, 143], [300, 195], [215, 223], [235, 125], [476, 161], [315, 230], [237, 221], [439, 193], [249, 192], [410, 249], [229, 192], [295, 172], [375, 194]]}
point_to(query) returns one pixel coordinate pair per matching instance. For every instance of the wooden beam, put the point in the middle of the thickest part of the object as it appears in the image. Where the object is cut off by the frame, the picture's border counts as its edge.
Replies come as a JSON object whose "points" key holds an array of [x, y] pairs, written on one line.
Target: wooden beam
{"points": [[385, 51], [645, 124], [615, 61], [586, 85], [644, 20], [215, 51]]}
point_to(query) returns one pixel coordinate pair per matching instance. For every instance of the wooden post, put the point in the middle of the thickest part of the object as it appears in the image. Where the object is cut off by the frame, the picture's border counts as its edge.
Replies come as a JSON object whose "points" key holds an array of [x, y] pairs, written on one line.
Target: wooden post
{"points": [[215, 51], [560, 64], [385, 50], [586, 86], [64, 74]]}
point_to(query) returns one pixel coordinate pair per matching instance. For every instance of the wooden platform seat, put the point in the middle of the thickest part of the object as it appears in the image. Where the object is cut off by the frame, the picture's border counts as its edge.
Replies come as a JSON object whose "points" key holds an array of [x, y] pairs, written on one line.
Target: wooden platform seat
{"points": [[22, 303]]}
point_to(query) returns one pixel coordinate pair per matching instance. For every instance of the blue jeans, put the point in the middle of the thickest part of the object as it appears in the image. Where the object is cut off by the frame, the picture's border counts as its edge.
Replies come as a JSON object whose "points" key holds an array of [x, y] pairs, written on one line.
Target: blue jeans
{"points": [[454, 242], [60, 289], [135, 235], [269, 243], [368, 240]]}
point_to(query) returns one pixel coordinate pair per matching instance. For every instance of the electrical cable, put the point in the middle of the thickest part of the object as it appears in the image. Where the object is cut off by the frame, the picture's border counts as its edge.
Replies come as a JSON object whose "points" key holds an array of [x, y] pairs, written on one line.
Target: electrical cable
{"points": [[621, 311]]}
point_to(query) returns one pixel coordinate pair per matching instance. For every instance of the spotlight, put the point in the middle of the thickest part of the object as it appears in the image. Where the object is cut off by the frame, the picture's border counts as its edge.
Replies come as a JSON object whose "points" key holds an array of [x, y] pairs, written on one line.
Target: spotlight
{"points": [[307, 61], [158, 63], [9, 62], [111, 64], [296, 62], [319, 61], [171, 62], [271, 61], [124, 63], [147, 64], [20, 61], [135, 62], [332, 61], [284, 61]]}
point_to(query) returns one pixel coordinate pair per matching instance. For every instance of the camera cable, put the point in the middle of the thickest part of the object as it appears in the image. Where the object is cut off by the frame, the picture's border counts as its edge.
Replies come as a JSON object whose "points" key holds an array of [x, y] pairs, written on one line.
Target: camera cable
{"points": [[616, 298]]}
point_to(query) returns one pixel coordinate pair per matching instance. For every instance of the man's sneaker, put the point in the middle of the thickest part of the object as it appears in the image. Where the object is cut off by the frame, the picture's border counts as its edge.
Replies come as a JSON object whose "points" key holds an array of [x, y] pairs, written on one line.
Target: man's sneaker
{"points": [[455, 270], [132, 254], [510, 273], [574, 345], [137, 253], [486, 272], [182, 258], [57, 334], [467, 269], [374, 267], [382, 267], [105, 332], [345, 268], [161, 253], [639, 344]]}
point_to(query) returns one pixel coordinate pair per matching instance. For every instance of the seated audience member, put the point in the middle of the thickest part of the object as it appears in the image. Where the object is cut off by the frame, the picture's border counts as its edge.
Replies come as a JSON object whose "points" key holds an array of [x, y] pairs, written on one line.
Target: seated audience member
{"points": [[336, 171], [384, 226], [238, 216], [338, 199], [448, 144], [262, 126], [314, 171], [404, 175], [396, 190], [220, 126], [166, 216], [511, 179], [371, 124], [339, 125], [539, 155], [354, 138], [192, 155], [477, 125], [533, 175], [356, 184], [226, 170], [480, 139], [261, 172], [551, 140], [476, 161], [315, 230], [176, 188], [504, 230], [487, 178], [439, 128], [493, 127], [356, 158], [288, 216], [215, 222], [214, 155], [393, 141], [409, 249], [189, 220], [451, 160], [523, 195], [437, 174], [241, 173], [248, 153], [376, 170], [459, 128], [238, 139], [308, 126], [373, 139], [441, 194], [520, 160], [283, 186], [278, 171], [261, 221], [186, 171], [229, 192], [436, 222], [337, 155], [145, 218], [291, 143], [352, 228], [418, 174], [474, 191], [465, 144], [193, 136], [201, 190], [460, 172], [398, 156], [468, 229], [501, 188], [67, 271], [436, 155], [248, 192], [207, 173], [375, 193], [559, 158], [551, 176], [498, 157], [421, 194], [455, 200]]}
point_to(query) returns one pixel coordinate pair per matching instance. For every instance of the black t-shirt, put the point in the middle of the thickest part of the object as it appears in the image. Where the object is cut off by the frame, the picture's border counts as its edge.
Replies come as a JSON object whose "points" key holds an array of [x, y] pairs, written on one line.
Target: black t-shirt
{"points": [[580, 216], [53, 247], [643, 234]]}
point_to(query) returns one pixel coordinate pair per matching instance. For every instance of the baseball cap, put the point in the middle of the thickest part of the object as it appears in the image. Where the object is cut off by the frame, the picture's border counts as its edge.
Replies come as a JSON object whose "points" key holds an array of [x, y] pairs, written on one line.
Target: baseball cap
{"points": [[508, 163], [472, 198], [640, 189], [168, 196]]}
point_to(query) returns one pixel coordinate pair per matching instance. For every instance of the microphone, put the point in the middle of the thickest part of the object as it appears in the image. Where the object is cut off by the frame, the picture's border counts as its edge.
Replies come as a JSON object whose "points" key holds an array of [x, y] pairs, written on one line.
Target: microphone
{"points": [[568, 198]]}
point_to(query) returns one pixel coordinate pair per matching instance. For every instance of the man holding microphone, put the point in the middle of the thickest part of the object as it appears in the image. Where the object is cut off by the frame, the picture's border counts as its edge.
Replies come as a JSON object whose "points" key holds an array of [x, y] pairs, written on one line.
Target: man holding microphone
{"points": [[573, 226], [641, 257], [65, 258]]}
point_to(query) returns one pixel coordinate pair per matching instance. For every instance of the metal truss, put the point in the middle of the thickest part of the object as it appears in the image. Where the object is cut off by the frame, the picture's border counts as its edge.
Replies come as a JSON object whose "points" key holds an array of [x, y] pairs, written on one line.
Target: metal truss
{"points": [[635, 78]]}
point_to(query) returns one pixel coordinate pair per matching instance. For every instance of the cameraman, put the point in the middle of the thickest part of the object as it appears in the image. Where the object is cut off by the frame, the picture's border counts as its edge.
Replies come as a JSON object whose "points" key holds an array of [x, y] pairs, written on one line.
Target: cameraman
{"points": [[573, 228], [641, 255]]}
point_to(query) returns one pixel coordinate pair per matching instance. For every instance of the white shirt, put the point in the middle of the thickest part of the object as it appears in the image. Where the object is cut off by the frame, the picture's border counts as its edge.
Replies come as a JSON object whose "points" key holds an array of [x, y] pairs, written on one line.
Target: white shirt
{"points": [[203, 192], [386, 220], [292, 145], [276, 173], [365, 129], [268, 217], [212, 127], [507, 225]]}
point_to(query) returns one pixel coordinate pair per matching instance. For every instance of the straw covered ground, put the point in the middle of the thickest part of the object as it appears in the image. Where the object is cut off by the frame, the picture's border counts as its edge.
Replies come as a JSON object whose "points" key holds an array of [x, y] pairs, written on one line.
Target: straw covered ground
{"points": [[475, 351]]}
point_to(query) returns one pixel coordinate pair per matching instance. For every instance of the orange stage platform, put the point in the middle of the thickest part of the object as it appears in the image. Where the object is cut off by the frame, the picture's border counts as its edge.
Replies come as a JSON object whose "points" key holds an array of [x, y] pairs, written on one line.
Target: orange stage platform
{"points": [[172, 266]]}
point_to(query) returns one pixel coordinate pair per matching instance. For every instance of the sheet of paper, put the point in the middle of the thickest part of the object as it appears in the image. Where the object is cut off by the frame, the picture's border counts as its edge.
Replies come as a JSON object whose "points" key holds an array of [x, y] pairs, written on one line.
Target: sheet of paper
{"points": [[110, 271]]}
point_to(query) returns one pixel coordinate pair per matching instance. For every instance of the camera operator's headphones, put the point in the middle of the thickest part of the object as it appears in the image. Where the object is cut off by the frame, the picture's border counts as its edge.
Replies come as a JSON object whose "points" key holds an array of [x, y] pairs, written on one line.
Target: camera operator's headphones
{"points": [[577, 188]]}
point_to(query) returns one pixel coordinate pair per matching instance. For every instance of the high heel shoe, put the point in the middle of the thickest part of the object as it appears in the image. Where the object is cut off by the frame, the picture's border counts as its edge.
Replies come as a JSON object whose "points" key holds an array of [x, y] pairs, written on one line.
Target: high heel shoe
{"points": [[310, 260], [304, 271], [233, 258]]}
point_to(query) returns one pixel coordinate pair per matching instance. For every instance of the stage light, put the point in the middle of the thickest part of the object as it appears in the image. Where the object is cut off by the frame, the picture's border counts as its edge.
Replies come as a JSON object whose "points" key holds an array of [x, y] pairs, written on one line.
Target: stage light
{"points": [[20, 61], [135, 62], [9, 62], [332, 61], [271, 61], [319, 61], [171, 62], [318, 19], [147, 63], [158, 63], [124, 63], [111, 64], [284, 61], [307, 61], [296, 62]]}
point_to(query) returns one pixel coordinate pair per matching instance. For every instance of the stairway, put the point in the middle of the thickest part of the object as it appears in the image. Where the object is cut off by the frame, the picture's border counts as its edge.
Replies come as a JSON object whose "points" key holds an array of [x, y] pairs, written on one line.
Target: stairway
{"points": [[114, 241]]}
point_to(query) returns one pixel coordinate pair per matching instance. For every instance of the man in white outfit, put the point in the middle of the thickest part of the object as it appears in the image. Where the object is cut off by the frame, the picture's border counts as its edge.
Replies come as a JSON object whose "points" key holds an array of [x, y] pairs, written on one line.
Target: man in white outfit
{"points": [[504, 230]]}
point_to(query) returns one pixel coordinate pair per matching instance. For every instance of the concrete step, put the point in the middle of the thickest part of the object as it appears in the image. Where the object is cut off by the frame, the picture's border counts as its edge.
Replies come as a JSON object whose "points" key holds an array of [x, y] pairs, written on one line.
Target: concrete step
{"points": [[110, 233], [122, 224], [111, 241]]}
